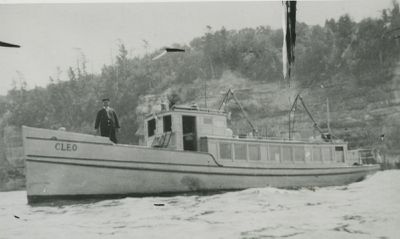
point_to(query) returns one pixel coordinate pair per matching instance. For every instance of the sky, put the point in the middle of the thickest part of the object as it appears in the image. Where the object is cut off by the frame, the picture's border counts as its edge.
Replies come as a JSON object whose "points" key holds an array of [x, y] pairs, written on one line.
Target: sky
{"points": [[55, 36]]}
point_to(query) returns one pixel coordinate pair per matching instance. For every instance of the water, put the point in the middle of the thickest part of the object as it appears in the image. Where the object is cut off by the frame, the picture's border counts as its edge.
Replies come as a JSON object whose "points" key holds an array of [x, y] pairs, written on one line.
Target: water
{"points": [[367, 209]]}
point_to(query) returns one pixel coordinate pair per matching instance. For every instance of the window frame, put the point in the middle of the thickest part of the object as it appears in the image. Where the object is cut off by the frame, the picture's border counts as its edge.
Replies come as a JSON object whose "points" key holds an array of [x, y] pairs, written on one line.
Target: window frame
{"points": [[170, 123], [151, 127]]}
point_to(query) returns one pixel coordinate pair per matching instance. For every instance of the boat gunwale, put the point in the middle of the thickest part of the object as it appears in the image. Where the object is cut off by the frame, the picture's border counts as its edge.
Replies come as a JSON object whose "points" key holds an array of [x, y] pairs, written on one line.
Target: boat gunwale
{"points": [[344, 167], [233, 140], [364, 169], [218, 163]]}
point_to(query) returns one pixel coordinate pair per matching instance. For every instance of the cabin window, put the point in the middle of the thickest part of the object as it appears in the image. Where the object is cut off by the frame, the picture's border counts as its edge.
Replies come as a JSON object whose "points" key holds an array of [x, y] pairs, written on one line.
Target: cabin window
{"points": [[151, 127], [287, 153], [339, 154], [275, 153], [225, 150], [167, 123], [240, 151], [254, 152], [207, 120], [317, 154], [307, 153], [338, 148], [299, 153], [326, 154]]}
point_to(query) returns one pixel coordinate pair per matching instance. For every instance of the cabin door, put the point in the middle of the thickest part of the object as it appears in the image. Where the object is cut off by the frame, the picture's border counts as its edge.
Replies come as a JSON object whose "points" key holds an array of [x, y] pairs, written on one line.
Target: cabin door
{"points": [[189, 133], [339, 154]]}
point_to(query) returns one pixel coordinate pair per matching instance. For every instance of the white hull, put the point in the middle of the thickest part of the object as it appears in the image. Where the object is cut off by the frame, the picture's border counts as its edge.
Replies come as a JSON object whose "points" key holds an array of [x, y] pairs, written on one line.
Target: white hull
{"points": [[69, 165]]}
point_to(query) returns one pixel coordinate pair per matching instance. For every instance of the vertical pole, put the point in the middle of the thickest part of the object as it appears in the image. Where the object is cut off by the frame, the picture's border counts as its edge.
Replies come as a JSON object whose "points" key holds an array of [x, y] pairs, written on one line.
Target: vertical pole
{"points": [[205, 92], [328, 115], [290, 112], [289, 127]]}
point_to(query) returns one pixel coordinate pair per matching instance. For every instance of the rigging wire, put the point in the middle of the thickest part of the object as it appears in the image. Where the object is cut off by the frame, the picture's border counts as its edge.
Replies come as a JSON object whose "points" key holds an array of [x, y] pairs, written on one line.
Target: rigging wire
{"points": [[226, 99]]}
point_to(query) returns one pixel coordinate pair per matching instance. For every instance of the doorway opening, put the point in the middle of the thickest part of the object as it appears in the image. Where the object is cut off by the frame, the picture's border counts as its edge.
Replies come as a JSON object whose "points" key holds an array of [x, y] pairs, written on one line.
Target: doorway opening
{"points": [[189, 133]]}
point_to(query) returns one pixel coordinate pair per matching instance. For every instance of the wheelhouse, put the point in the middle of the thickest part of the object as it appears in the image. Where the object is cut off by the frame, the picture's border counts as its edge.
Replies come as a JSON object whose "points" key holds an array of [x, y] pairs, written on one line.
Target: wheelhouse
{"points": [[182, 127]]}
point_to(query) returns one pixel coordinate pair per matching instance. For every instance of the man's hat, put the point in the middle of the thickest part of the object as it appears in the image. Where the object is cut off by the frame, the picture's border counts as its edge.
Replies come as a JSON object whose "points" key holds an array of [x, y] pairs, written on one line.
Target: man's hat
{"points": [[105, 99]]}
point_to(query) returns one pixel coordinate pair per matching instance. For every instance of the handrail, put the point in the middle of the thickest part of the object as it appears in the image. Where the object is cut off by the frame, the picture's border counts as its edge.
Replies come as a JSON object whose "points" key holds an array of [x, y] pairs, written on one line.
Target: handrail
{"points": [[215, 160], [277, 140]]}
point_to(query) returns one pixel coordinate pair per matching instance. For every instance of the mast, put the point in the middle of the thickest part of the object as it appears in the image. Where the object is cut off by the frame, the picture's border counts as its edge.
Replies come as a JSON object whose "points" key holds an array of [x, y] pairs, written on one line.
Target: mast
{"points": [[290, 128], [205, 92], [328, 117]]}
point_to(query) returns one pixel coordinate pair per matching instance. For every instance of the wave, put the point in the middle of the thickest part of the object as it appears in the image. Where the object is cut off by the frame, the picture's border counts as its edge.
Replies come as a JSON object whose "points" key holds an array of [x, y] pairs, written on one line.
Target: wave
{"points": [[360, 210]]}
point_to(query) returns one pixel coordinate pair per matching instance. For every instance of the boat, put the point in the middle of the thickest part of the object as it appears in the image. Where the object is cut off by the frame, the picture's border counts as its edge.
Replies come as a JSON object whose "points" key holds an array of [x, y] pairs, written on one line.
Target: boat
{"points": [[186, 149]]}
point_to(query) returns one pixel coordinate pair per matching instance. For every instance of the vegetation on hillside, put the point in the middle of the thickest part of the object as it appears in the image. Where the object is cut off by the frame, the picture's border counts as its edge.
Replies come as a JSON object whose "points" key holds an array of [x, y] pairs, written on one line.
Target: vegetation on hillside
{"points": [[355, 61]]}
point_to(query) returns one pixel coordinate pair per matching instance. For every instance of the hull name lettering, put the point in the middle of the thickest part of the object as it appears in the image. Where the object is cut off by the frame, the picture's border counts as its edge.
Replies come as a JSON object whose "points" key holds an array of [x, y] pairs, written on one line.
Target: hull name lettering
{"points": [[66, 147]]}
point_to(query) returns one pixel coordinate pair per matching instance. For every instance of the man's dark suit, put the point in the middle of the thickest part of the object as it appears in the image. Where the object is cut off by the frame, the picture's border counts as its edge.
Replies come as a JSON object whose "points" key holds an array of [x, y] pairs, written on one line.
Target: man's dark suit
{"points": [[108, 122]]}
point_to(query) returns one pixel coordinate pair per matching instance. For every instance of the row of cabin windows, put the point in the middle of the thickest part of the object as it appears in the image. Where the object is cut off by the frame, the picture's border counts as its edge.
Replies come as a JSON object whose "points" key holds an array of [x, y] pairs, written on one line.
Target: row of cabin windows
{"points": [[167, 125], [242, 151], [284, 153]]}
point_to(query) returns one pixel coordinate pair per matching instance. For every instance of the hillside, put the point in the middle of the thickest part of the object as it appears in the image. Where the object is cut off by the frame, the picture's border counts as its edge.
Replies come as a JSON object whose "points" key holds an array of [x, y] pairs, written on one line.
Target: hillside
{"points": [[355, 65]]}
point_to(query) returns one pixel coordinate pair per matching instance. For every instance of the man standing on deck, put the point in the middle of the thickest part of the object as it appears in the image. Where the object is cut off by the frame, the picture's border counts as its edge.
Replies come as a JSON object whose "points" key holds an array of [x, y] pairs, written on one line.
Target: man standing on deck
{"points": [[107, 121]]}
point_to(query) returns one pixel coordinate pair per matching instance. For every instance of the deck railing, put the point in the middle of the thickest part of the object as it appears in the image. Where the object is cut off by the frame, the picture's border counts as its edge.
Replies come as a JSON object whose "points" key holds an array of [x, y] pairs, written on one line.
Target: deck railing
{"points": [[279, 139]]}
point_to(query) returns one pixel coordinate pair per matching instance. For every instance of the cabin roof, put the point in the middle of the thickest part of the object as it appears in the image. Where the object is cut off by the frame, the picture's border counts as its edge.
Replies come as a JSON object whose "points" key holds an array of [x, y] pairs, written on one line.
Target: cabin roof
{"points": [[188, 110]]}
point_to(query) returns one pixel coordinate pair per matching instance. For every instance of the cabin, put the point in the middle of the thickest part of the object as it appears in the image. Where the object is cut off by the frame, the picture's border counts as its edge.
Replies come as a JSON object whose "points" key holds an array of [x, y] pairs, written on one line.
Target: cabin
{"points": [[182, 127], [191, 128]]}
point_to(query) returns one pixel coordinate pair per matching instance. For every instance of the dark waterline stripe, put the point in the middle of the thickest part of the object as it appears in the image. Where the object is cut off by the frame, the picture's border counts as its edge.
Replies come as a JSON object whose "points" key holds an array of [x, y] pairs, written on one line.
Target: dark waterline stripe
{"points": [[198, 172], [191, 165], [119, 161]]}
